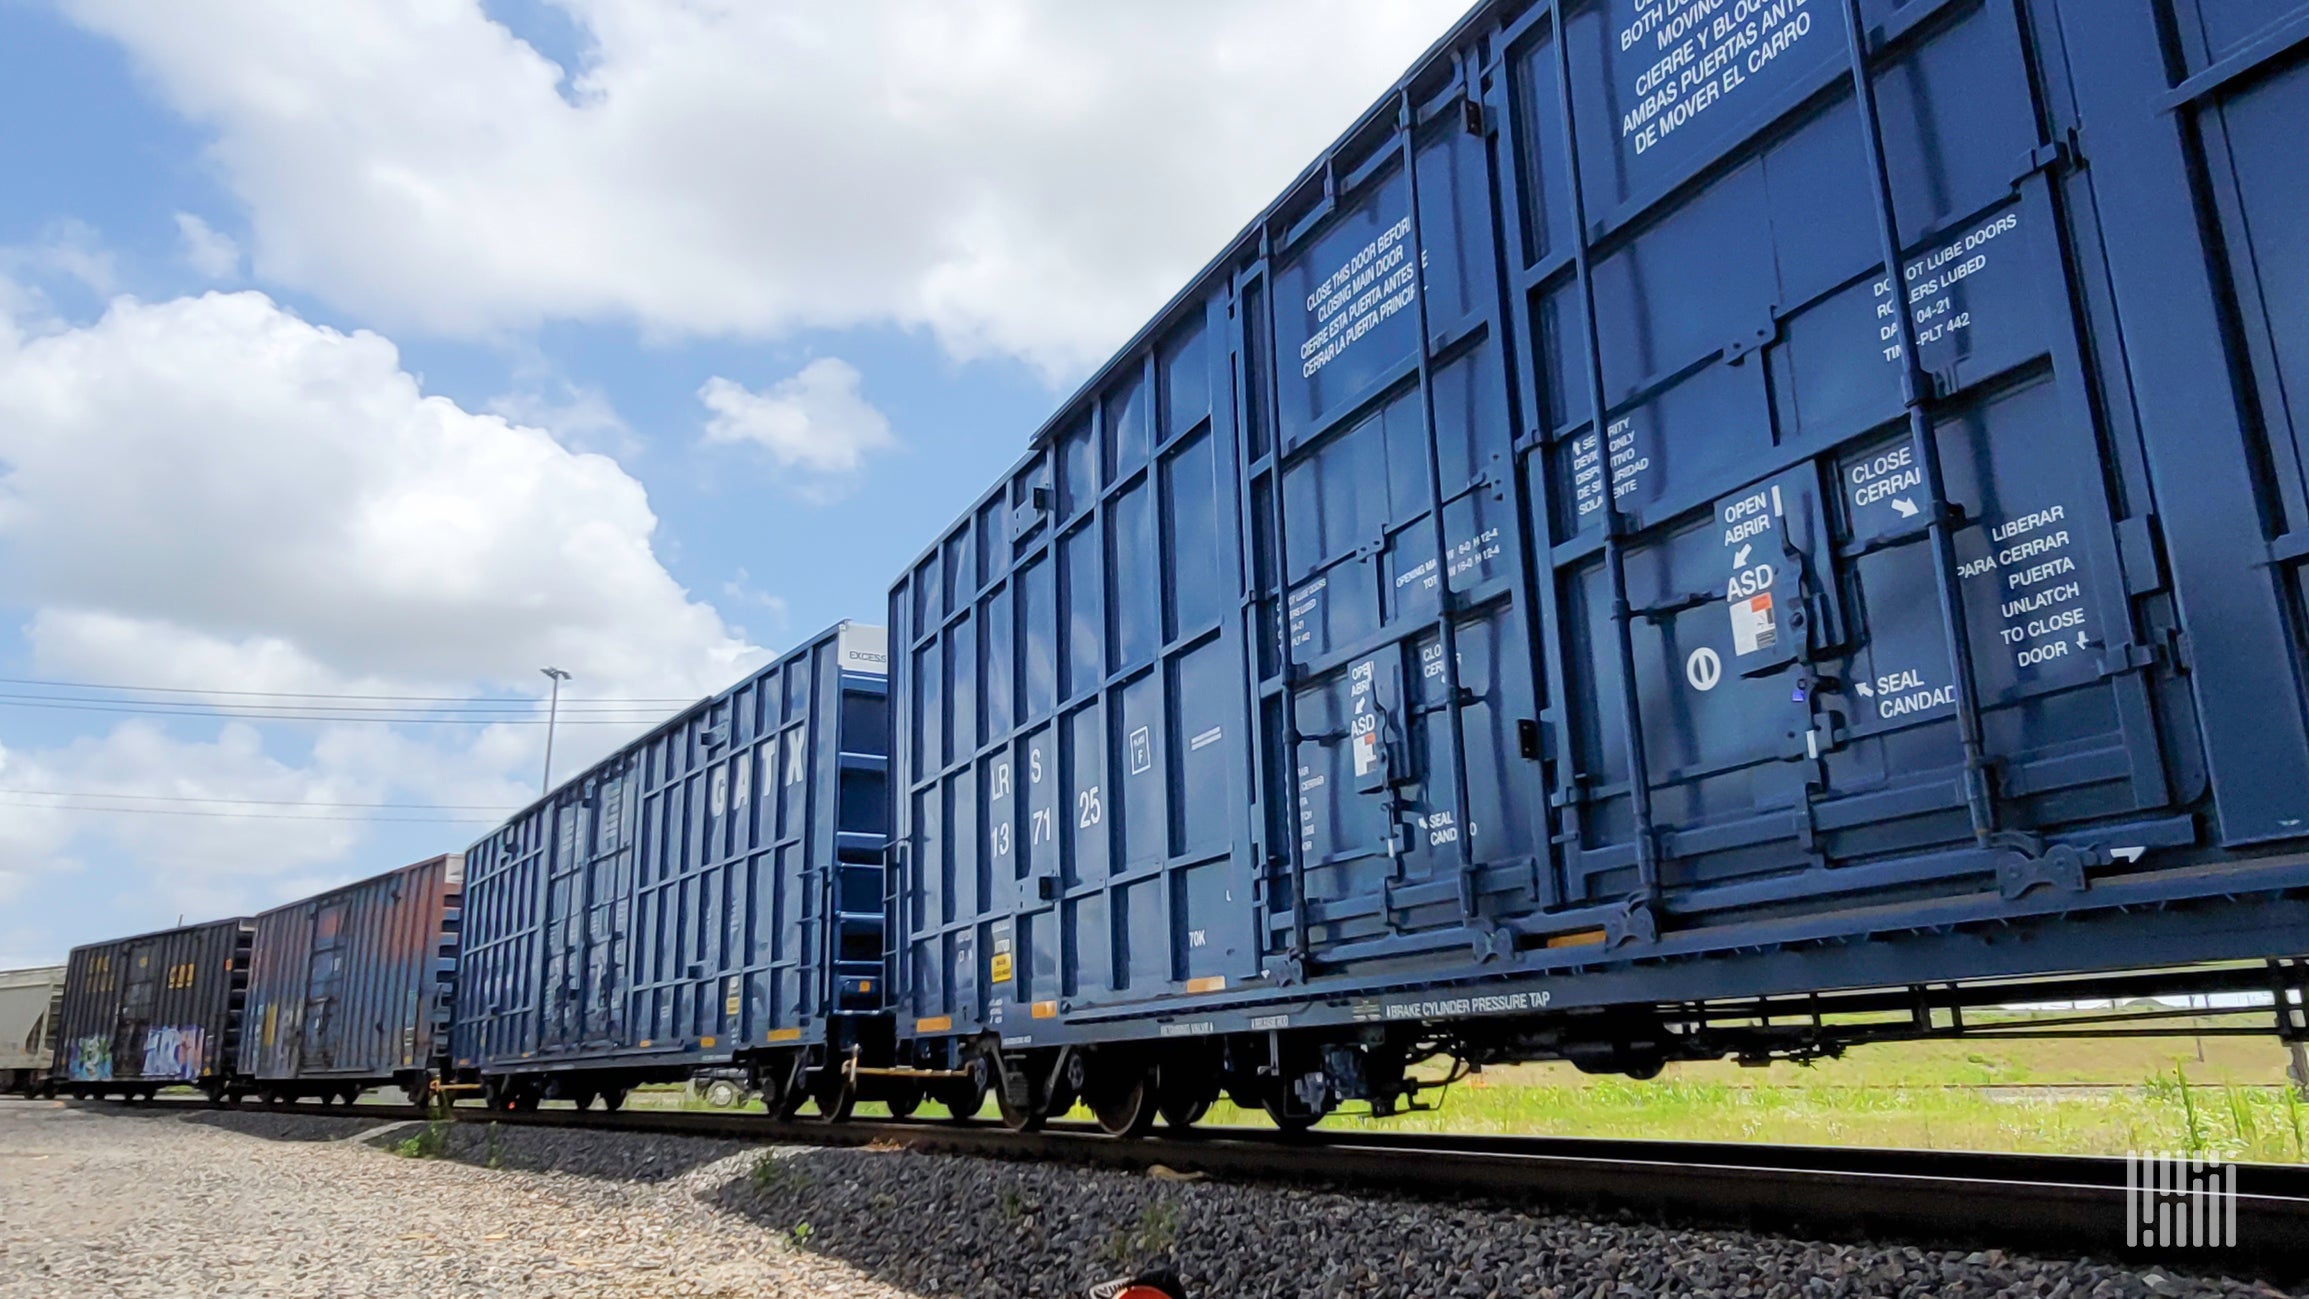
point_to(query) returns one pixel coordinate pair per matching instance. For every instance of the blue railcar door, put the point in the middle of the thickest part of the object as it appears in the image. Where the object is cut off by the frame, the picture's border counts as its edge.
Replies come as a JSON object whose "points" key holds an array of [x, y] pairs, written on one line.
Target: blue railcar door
{"points": [[2215, 348], [1804, 626], [563, 1010], [315, 1045], [1398, 688], [608, 905], [587, 903]]}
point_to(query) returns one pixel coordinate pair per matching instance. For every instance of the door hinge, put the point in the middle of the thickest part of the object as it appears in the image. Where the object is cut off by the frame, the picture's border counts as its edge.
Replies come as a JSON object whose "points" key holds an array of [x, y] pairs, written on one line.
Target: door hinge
{"points": [[2065, 152], [2140, 554], [1527, 738]]}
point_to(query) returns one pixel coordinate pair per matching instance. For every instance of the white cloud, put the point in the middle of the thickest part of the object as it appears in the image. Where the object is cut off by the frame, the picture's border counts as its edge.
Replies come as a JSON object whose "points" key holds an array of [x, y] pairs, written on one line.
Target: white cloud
{"points": [[816, 423], [206, 249], [192, 862], [1026, 177], [215, 472], [66, 251], [214, 494], [580, 416]]}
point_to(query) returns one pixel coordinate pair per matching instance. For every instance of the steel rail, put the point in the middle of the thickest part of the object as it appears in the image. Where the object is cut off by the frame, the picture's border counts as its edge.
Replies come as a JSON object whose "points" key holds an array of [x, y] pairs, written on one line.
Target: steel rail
{"points": [[2043, 1205]]}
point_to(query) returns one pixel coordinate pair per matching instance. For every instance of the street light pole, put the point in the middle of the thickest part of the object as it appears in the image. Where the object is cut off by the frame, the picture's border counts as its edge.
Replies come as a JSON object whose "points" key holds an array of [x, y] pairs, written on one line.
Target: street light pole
{"points": [[552, 715]]}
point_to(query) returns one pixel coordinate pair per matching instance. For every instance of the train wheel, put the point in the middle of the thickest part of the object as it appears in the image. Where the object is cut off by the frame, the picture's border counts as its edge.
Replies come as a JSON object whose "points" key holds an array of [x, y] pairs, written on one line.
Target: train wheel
{"points": [[770, 1088], [963, 1097], [836, 1095], [582, 1098], [1182, 1115], [903, 1100], [613, 1099], [1021, 1115], [1018, 1118], [525, 1100], [508, 1095], [418, 1094], [1184, 1092], [724, 1094], [1290, 1120], [1125, 1106]]}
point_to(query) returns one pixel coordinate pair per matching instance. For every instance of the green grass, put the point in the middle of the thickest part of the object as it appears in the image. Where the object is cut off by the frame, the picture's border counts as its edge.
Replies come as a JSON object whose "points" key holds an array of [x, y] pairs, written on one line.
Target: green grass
{"points": [[2249, 1123], [430, 1143], [2079, 1096]]}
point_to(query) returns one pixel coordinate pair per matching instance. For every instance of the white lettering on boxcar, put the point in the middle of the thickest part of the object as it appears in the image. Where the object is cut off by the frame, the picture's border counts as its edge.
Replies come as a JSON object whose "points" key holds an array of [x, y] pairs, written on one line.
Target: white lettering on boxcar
{"points": [[1627, 467], [1499, 1003], [1931, 281], [1200, 1028], [1701, 52], [1468, 555], [2031, 562], [1367, 289]]}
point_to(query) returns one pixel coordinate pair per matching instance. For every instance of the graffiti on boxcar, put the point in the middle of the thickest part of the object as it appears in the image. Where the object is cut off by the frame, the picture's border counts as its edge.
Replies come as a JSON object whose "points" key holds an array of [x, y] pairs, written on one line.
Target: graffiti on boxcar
{"points": [[174, 1052], [89, 1060]]}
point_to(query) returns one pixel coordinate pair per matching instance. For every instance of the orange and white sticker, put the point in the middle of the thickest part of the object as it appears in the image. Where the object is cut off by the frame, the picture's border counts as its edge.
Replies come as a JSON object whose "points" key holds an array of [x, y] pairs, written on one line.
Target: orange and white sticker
{"points": [[1752, 625]]}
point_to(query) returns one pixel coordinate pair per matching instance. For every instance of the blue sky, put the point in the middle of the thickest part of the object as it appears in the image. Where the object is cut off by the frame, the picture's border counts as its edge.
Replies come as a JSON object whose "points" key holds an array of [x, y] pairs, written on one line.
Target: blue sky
{"points": [[394, 350]]}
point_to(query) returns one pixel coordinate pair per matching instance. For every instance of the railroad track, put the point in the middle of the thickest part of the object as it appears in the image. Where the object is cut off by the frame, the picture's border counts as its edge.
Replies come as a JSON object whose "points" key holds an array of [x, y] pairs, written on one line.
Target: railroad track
{"points": [[2046, 1205]]}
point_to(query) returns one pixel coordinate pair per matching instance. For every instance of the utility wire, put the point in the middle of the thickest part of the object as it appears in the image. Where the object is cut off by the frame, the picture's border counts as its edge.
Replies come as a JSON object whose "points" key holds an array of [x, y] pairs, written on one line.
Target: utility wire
{"points": [[294, 694], [265, 816], [515, 707], [263, 802], [229, 711]]}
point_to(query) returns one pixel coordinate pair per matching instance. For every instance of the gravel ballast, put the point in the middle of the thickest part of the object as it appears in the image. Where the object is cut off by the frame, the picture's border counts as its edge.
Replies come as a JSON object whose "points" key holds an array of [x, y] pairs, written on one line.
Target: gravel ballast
{"points": [[947, 1225], [103, 1200]]}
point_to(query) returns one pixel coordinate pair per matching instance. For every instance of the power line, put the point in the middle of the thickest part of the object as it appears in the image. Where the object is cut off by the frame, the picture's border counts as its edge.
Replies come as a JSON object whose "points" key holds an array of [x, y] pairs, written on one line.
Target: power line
{"points": [[516, 707], [263, 802], [263, 816], [227, 711], [297, 694]]}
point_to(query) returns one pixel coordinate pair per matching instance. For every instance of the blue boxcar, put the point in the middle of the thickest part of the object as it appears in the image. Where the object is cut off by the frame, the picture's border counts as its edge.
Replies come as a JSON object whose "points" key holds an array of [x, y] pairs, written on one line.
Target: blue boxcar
{"points": [[711, 896], [1325, 688], [352, 988]]}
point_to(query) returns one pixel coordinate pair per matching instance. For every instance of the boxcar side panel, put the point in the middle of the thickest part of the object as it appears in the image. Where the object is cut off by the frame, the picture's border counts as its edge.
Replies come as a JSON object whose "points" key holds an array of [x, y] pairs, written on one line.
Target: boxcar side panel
{"points": [[161, 1008], [353, 983], [1702, 484], [1074, 729], [675, 904]]}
